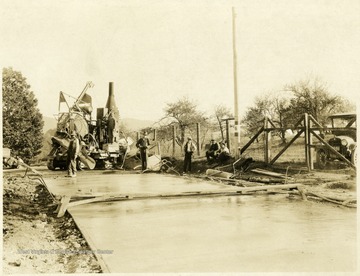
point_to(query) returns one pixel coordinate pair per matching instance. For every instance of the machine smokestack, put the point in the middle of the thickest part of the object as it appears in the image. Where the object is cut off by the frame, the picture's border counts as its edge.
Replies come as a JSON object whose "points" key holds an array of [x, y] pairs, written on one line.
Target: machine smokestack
{"points": [[111, 105], [113, 122]]}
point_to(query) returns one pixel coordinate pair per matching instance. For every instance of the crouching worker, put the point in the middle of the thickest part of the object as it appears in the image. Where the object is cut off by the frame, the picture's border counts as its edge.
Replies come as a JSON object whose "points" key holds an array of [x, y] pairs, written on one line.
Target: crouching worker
{"points": [[72, 154], [213, 151], [224, 153]]}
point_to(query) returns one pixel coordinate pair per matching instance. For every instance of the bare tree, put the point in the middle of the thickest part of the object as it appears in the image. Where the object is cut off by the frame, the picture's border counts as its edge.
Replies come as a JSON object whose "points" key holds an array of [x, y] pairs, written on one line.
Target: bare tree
{"points": [[185, 115], [313, 97]]}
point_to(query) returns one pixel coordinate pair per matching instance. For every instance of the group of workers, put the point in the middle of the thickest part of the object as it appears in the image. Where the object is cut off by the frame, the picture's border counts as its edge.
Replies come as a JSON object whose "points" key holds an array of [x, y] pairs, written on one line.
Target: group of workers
{"points": [[217, 152]]}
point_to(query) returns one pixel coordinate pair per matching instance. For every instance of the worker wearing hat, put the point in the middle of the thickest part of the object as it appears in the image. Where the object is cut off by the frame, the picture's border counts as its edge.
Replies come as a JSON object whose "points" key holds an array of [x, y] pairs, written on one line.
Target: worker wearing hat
{"points": [[213, 151], [72, 154], [189, 149], [142, 144]]}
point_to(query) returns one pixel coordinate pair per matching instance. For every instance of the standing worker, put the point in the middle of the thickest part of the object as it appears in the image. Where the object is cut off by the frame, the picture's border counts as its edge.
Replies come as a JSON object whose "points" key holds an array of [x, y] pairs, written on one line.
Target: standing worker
{"points": [[72, 154], [143, 144], [189, 148]]}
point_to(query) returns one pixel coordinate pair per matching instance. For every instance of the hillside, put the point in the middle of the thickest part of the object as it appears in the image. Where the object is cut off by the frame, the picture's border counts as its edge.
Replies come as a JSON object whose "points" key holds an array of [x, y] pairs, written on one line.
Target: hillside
{"points": [[135, 124], [49, 123], [131, 124]]}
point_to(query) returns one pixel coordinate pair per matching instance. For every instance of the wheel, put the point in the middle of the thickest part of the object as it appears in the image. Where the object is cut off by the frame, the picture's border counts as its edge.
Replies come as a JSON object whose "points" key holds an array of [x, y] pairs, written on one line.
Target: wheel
{"points": [[321, 159], [50, 164]]}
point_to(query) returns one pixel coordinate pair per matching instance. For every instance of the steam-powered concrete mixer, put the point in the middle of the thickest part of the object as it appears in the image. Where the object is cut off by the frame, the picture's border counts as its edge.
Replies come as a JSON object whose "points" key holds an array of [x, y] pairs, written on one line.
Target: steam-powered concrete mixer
{"points": [[101, 145]]}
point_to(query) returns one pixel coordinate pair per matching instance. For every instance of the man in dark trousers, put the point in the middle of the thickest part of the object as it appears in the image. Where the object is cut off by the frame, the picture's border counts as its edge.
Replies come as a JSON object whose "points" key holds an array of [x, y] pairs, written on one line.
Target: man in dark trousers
{"points": [[142, 144], [213, 151], [189, 148], [72, 154]]}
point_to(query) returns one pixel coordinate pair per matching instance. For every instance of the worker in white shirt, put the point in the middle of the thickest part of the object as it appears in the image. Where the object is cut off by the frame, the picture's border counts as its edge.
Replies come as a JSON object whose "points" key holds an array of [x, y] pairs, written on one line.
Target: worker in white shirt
{"points": [[189, 149]]}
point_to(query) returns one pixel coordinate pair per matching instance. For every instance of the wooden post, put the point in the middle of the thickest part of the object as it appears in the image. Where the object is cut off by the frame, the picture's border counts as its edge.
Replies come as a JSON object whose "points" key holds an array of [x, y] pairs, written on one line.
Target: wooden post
{"points": [[228, 135], [266, 141], [174, 142], [307, 147], [198, 138], [310, 140], [154, 135], [242, 150], [286, 147]]}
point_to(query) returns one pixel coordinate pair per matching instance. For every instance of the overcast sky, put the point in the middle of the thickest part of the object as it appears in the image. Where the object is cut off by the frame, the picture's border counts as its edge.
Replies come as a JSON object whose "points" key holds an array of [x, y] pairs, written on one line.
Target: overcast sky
{"points": [[156, 52]]}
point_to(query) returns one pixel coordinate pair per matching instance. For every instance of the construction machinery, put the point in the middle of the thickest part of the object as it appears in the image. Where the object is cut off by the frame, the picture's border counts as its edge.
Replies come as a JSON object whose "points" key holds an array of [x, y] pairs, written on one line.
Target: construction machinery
{"points": [[100, 141]]}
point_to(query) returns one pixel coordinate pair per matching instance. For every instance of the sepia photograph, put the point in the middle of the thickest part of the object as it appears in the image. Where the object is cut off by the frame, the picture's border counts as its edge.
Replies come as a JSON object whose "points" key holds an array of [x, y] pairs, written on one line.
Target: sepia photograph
{"points": [[179, 137]]}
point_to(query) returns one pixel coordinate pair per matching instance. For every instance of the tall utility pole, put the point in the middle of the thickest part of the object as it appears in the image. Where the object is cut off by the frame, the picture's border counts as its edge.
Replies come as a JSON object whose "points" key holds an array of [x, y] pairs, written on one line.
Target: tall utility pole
{"points": [[236, 106]]}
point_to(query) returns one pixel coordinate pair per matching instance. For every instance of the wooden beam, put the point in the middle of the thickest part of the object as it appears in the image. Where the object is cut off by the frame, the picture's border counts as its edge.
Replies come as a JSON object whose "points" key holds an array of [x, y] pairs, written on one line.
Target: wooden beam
{"points": [[251, 140], [173, 140], [271, 123], [269, 173], [299, 122], [65, 200], [266, 141], [286, 147], [307, 142], [314, 121], [62, 207], [198, 138]]}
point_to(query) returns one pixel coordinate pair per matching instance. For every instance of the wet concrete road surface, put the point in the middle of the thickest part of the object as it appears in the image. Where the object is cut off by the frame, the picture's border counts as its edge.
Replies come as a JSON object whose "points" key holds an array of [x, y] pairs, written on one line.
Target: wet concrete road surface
{"points": [[257, 233]]}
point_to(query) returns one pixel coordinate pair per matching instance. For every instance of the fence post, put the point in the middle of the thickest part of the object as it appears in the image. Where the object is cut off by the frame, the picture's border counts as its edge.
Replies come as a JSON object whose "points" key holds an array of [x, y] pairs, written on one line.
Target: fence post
{"points": [[174, 142], [154, 134], [311, 149], [228, 135], [266, 141], [307, 147], [198, 138]]}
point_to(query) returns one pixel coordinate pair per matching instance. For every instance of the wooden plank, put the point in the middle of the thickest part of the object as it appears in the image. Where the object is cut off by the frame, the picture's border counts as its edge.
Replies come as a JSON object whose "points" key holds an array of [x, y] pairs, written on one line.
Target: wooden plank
{"points": [[184, 194], [269, 173], [269, 187], [21, 163], [63, 205], [217, 173], [98, 199], [251, 140]]}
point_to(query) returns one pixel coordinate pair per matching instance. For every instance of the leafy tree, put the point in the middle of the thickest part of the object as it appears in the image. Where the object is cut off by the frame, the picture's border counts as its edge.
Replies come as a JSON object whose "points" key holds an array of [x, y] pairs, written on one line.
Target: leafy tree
{"points": [[284, 110], [313, 97], [22, 120], [222, 112], [254, 116], [185, 115]]}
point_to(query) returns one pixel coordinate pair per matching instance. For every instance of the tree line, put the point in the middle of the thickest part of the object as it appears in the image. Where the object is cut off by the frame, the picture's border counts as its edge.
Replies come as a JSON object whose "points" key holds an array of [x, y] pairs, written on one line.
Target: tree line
{"points": [[286, 107], [23, 121]]}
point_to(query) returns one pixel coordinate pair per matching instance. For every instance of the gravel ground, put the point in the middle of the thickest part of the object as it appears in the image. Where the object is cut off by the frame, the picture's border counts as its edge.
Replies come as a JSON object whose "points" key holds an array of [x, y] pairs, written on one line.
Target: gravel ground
{"points": [[34, 240]]}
